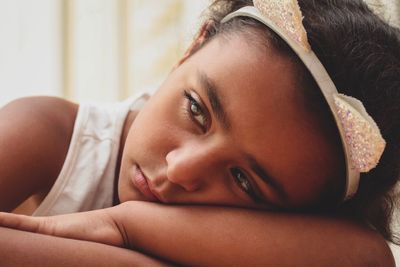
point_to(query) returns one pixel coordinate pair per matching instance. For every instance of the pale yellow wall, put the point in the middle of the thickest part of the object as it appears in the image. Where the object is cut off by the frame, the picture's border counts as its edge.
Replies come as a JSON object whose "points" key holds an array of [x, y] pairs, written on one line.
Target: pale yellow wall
{"points": [[116, 48], [30, 48], [100, 50], [389, 10]]}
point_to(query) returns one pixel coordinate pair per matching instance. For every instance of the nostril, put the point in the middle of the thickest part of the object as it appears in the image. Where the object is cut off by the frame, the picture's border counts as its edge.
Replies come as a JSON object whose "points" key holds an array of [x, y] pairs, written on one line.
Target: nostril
{"points": [[192, 186], [185, 182], [183, 179]]}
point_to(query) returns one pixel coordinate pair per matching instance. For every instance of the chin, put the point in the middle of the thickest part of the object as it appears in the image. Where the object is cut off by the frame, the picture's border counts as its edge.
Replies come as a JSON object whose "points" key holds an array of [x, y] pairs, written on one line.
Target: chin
{"points": [[125, 196]]}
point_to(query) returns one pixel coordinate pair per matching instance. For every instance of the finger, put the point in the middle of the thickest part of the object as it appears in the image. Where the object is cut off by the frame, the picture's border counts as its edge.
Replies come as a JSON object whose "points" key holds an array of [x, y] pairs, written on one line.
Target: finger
{"points": [[21, 222], [97, 226]]}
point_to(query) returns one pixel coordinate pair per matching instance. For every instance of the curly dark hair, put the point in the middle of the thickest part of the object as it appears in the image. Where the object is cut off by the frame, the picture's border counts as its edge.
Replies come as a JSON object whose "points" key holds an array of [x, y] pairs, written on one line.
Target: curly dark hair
{"points": [[362, 56]]}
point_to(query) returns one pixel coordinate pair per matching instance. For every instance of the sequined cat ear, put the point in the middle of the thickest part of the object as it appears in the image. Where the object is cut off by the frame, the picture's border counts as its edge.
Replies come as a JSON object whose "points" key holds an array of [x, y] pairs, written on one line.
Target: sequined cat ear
{"points": [[362, 135], [286, 14], [362, 142]]}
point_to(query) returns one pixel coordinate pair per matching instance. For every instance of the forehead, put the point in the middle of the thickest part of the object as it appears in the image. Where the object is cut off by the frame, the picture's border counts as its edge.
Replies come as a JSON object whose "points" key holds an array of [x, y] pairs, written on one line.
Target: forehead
{"points": [[259, 91]]}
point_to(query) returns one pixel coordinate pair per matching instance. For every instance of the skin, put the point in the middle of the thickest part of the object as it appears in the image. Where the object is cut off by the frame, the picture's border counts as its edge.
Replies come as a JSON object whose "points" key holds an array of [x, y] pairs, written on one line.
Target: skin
{"points": [[172, 166], [172, 145], [24, 249], [41, 129], [201, 236]]}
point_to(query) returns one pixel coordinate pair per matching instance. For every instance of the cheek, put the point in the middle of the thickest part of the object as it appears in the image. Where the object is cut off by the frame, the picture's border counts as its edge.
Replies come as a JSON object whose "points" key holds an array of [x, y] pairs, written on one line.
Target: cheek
{"points": [[154, 129]]}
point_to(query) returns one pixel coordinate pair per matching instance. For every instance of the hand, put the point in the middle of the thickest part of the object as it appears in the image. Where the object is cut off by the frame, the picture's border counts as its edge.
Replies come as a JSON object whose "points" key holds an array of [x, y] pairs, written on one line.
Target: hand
{"points": [[98, 226]]}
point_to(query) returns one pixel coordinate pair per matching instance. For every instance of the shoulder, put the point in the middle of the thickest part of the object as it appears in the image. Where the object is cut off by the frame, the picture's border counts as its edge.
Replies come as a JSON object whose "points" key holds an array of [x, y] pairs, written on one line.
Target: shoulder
{"points": [[41, 117], [35, 133], [377, 252], [43, 106]]}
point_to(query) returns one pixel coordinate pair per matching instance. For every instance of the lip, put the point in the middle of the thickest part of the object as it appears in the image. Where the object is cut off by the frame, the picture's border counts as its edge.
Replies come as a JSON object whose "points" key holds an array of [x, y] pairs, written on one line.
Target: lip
{"points": [[141, 182]]}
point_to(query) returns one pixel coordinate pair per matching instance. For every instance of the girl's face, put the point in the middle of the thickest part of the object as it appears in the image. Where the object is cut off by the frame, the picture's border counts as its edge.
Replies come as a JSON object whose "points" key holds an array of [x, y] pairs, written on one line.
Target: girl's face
{"points": [[227, 128]]}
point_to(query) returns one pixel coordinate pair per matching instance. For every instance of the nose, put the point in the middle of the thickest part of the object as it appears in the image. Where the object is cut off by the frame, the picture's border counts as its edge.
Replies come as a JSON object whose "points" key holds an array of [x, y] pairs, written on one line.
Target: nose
{"points": [[194, 165]]}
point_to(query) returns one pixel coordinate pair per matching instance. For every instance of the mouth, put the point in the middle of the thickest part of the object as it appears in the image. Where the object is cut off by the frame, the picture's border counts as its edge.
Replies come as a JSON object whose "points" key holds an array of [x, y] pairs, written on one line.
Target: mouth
{"points": [[141, 182]]}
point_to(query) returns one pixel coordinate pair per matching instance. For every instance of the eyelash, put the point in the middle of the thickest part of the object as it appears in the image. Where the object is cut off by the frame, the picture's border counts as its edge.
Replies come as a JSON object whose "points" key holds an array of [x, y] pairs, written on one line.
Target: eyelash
{"points": [[243, 182], [193, 103]]}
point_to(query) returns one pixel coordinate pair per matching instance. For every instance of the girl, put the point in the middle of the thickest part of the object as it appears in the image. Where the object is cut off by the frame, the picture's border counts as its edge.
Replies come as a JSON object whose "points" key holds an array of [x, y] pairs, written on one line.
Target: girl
{"points": [[263, 128]]}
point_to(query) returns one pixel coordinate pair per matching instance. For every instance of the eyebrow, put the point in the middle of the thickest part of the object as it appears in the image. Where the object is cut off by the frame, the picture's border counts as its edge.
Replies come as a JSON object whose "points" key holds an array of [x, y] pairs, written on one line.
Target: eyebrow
{"points": [[214, 99], [267, 178], [221, 115]]}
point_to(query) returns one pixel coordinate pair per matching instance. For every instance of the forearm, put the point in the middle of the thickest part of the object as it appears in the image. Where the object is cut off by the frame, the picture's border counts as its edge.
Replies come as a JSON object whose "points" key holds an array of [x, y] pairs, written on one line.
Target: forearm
{"points": [[20, 249], [205, 236], [209, 236]]}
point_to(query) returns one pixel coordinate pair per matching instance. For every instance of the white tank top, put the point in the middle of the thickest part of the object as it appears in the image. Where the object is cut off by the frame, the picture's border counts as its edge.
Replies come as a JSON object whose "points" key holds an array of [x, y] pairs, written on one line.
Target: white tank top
{"points": [[86, 180]]}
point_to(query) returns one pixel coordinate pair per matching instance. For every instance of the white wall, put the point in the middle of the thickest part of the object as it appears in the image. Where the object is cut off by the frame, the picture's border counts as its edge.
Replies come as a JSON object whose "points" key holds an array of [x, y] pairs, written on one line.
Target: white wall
{"points": [[93, 52], [30, 48], [100, 50]]}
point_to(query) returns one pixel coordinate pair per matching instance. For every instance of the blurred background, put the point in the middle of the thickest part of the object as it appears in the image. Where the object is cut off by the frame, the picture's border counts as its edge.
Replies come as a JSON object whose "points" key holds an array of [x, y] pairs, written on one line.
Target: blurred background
{"points": [[100, 50], [97, 50]]}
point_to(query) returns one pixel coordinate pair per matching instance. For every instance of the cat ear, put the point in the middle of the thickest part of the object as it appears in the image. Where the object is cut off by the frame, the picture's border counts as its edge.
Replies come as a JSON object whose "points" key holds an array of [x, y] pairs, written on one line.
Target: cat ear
{"points": [[286, 15], [362, 141], [362, 136]]}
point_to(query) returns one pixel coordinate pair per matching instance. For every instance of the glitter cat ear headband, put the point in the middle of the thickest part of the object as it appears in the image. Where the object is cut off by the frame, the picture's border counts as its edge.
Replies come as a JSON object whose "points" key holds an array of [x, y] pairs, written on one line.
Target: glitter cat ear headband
{"points": [[362, 142]]}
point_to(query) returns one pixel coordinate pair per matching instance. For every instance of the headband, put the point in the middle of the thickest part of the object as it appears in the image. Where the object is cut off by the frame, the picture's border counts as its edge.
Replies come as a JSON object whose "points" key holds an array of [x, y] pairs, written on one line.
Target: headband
{"points": [[362, 142]]}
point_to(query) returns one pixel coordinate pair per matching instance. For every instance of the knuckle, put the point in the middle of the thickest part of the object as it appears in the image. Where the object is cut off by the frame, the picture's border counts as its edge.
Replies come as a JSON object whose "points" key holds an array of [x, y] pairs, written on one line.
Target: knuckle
{"points": [[46, 226]]}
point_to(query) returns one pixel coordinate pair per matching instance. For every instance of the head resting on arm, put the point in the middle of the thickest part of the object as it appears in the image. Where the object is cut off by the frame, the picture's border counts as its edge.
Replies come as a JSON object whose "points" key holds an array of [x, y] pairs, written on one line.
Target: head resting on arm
{"points": [[361, 55]]}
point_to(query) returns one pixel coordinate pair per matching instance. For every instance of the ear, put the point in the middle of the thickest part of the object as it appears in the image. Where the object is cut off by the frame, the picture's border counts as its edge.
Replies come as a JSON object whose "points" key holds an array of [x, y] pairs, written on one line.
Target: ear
{"points": [[197, 42]]}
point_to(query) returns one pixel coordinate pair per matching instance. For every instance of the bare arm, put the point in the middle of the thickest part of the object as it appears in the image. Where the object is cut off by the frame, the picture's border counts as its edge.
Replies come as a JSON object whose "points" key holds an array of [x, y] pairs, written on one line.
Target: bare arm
{"points": [[207, 236], [228, 237], [34, 137], [24, 249]]}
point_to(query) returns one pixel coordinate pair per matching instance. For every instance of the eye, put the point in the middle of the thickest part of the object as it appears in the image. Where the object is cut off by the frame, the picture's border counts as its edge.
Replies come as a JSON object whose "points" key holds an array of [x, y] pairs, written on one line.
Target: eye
{"points": [[244, 184], [196, 111], [242, 181]]}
